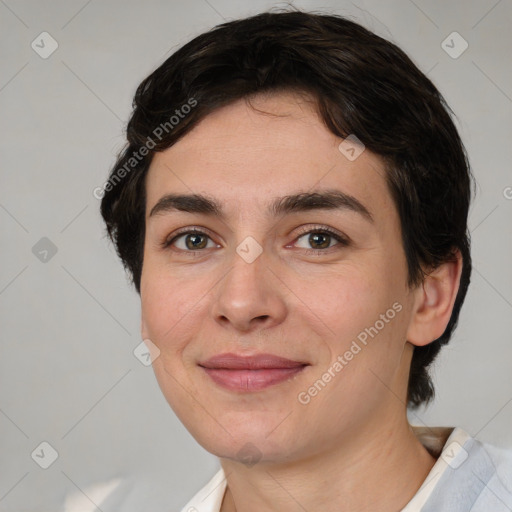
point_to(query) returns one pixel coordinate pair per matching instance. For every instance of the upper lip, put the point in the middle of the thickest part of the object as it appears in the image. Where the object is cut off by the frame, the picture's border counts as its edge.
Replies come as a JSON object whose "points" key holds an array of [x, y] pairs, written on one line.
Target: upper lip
{"points": [[232, 361]]}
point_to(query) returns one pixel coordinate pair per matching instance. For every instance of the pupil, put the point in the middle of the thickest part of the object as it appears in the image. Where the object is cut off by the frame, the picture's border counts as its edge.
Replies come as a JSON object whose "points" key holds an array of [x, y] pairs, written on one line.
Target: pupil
{"points": [[193, 245], [313, 238]]}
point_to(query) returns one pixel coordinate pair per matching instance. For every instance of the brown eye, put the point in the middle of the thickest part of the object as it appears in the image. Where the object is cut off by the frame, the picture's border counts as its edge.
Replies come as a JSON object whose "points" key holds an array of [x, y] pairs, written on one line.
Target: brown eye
{"points": [[194, 241], [321, 239], [189, 241]]}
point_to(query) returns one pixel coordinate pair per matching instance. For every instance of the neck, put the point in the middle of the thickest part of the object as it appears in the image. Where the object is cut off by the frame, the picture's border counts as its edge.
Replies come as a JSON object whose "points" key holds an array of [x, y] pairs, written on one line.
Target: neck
{"points": [[378, 469]]}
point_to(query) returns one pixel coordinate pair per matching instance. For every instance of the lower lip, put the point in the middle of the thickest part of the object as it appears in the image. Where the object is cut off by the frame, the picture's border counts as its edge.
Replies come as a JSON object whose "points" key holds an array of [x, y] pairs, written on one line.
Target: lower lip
{"points": [[251, 380]]}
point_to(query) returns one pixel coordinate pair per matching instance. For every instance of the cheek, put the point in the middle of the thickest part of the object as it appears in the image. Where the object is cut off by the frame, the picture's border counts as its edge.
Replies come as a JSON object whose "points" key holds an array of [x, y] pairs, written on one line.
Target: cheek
{"points": [[336, 304], [166, 305], [360, 302]]}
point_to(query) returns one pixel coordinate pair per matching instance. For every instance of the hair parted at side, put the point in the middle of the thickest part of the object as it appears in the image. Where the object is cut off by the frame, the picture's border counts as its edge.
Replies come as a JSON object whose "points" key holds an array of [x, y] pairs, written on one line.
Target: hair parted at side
{"points": [[361, 84]]}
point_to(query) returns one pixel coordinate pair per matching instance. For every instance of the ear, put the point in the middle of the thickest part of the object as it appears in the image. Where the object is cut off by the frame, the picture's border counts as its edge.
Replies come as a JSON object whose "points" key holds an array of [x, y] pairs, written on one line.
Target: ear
{"points": [[434, 302]]}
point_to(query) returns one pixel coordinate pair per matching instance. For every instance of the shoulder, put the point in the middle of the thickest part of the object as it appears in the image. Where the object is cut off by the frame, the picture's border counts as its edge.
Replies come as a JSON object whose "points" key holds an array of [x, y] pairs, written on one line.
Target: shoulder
{"points": [[500, 459], [478, 477], [133, 493], [100, 495]]}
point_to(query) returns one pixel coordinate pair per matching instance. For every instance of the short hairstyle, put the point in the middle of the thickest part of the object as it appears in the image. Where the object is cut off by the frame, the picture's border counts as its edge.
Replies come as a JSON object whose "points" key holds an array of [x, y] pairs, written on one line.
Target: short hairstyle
{"points": [[361, 84]]}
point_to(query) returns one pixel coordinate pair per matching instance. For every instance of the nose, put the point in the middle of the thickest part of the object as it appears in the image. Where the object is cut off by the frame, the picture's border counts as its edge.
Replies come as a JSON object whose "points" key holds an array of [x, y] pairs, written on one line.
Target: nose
{"points": [[250, 296]]}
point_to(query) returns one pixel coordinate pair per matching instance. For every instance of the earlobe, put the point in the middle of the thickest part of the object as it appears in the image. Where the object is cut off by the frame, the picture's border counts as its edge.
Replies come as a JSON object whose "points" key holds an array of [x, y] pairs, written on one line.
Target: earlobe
{"points": [[435, 298]]}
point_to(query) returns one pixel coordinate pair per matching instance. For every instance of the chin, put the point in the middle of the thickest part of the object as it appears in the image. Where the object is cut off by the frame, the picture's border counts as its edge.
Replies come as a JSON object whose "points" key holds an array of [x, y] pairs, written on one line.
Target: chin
{"points": [[248, 443]]}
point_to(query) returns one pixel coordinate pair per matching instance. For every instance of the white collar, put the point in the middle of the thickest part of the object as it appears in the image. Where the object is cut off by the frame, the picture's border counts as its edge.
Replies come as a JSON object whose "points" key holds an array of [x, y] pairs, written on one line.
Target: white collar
{"points": [[444, 443]]}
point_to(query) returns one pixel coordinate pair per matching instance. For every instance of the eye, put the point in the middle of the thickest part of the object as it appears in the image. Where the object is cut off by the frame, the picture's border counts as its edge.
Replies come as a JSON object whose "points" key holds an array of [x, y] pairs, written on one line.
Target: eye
{"points": [[190, 240], [319, 239]]}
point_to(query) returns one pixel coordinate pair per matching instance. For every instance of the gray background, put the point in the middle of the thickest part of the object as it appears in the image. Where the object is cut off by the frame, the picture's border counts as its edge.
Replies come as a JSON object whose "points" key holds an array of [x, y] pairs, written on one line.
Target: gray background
{"points": [[69, 324]]}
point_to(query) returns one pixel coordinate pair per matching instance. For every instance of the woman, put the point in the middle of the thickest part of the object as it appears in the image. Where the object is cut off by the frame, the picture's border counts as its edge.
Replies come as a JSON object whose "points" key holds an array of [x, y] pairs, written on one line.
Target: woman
{"points": [[292, 206]]}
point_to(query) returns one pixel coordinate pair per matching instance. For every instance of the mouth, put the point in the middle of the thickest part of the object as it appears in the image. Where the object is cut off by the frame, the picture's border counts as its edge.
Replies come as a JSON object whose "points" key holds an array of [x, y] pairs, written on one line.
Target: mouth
{"points": [[250, 373]]}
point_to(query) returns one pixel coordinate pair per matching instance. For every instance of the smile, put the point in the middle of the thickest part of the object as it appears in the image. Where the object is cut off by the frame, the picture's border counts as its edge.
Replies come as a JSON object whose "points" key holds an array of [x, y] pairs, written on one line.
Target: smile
{"points": [[250, 373], [251, 380]]}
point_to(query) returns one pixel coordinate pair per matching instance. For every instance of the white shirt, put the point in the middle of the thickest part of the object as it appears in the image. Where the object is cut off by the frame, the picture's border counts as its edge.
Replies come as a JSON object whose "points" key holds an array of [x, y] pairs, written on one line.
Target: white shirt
{"points": [[209, 498], [468, 476]]}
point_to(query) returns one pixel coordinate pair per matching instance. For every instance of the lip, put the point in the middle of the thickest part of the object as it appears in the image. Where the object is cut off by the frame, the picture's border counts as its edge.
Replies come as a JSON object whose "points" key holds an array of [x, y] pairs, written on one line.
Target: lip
{"points": [[230, 361], [250, 373]]}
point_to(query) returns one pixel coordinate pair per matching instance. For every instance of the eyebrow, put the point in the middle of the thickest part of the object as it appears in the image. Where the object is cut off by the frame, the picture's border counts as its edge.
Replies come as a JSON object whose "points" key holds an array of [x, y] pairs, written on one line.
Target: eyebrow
{"points": [[331, 199]]}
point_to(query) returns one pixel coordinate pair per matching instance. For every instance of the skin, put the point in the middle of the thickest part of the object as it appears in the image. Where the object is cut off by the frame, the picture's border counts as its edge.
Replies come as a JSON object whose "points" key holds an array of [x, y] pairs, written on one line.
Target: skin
{"points": [[351, 444]]}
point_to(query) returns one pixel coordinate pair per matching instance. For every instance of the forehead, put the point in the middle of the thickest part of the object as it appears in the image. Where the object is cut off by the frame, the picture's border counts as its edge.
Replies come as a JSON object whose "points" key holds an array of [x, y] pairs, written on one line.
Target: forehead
{"points": [[277, 145]]}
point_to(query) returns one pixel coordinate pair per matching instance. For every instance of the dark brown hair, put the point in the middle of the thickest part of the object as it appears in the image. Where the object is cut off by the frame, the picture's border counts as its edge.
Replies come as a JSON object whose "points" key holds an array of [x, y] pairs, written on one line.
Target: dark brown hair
{"points": [[361, 84]]}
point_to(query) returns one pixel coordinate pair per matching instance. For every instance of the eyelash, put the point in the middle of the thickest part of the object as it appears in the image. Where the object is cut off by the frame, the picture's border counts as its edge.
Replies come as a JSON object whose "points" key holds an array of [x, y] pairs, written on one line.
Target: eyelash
{"points": [[342, 241]]}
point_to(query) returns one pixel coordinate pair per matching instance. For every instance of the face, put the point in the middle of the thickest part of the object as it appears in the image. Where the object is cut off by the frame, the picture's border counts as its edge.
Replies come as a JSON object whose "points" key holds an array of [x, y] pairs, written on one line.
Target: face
{"points": [[322, 284]]}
